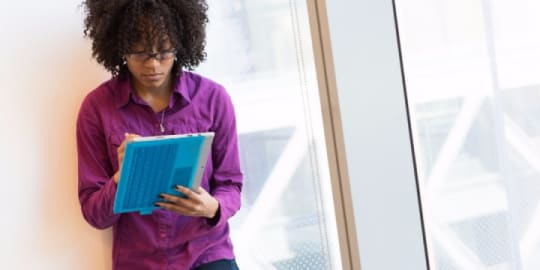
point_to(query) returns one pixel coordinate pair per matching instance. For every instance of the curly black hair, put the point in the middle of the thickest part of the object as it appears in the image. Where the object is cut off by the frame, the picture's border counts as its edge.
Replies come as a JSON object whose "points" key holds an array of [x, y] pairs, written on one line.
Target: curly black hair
{"points": [[114, 26]]}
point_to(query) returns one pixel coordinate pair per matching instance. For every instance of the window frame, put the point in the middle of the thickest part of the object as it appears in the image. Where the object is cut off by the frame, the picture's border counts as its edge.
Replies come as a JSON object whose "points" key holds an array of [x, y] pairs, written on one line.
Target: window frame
{"points": [[367, 129]]}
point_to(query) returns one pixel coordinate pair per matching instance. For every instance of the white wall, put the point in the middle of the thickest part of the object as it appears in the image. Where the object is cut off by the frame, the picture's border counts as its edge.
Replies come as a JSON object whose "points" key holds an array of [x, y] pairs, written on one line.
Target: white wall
{"points": [[45, 70]]}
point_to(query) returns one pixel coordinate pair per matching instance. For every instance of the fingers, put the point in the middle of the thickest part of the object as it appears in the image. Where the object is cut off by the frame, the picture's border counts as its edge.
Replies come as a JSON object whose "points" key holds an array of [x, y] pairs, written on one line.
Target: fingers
{"points": [[194, 204], [191, 196], [187, 206], [180, 209], [122, 148], [120, 152], [189, 192]]}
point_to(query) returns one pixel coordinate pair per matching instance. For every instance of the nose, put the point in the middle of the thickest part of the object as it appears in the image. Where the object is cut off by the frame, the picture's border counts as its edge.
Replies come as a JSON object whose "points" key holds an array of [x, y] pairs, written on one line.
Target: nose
{"points": [[151, 62]]}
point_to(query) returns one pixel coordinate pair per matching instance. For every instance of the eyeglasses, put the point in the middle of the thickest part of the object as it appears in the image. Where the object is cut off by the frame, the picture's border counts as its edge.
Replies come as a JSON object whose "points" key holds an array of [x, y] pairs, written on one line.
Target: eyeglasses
{"points": [[144, 56]]}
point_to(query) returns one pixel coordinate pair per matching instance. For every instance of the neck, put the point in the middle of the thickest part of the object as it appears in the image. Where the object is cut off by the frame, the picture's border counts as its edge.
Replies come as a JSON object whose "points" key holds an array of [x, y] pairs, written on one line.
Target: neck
{"points": [[163, 90], [156, 97]]}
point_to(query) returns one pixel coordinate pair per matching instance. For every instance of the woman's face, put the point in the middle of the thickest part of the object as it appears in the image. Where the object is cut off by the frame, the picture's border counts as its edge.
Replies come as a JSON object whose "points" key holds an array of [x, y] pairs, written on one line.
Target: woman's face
{"points": [[151, 70]]}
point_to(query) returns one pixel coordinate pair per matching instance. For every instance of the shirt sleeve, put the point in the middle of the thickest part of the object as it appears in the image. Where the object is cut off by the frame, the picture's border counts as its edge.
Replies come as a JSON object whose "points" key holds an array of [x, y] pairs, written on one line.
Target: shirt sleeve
{"points": [[226, 183], [96, 185]]}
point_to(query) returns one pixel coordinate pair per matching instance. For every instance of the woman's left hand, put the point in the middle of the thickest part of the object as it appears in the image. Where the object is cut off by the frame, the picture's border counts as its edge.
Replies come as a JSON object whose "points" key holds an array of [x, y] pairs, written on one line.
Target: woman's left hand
{"points": [[198, 203]]}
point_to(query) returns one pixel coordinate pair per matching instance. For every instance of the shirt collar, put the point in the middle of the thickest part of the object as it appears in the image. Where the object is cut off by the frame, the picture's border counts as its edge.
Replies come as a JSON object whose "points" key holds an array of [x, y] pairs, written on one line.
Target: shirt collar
{"points": [[125, 93], [181, 88]]}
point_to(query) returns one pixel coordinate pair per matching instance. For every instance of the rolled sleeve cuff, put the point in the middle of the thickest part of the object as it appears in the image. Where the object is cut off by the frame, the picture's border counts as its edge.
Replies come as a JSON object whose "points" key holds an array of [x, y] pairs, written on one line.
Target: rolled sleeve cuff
{"points": [[225, 210]]}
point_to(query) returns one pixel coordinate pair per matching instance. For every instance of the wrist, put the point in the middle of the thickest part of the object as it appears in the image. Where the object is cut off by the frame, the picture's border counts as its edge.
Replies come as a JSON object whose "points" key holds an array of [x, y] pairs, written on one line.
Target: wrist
{"points": [[213, 210], [213, 221]]}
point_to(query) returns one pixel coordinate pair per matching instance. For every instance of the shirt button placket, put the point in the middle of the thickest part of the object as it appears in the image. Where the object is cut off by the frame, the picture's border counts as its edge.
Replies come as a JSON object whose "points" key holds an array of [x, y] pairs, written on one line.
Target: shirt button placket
{"points": [[162, 228], [163, 221]]}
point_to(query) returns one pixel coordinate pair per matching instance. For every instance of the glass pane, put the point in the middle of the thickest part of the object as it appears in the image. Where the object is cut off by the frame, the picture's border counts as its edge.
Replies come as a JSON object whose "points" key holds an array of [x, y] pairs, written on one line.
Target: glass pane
{"points": [[472, 70], [260, 50]]}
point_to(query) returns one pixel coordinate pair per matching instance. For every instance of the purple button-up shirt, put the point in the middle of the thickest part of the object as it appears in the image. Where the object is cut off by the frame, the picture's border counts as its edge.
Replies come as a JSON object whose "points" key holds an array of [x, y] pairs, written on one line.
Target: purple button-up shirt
{"points": [[162, 240]]}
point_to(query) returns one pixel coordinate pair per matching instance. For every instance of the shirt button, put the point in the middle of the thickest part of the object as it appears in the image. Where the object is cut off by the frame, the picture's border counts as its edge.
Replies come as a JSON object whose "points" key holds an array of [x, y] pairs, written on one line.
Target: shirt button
{"points": [[162, 235]]}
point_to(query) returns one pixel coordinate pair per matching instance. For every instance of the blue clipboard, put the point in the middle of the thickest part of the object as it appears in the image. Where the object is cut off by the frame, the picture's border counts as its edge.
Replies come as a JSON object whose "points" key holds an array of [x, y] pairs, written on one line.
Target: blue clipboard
{"points": [[155, 165]]}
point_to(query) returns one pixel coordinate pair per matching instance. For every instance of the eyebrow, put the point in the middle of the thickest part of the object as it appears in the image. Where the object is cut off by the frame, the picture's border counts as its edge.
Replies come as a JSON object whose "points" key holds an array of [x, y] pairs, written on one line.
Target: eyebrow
{"points": [[140, 47], [160, 51]]}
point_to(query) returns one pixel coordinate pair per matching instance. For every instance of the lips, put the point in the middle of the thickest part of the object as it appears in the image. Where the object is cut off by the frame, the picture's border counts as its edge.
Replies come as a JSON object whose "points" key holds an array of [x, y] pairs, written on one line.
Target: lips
{"points": [[152, 77]]}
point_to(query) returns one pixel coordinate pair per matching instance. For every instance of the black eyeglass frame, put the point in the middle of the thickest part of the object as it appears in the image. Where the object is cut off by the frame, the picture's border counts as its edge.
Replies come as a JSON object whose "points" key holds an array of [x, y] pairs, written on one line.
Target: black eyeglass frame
{"points": [[159, 56]]}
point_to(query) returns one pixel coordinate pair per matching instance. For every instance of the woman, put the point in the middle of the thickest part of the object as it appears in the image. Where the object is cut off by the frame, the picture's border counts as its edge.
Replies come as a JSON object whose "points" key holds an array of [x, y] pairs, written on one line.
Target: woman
{"points": [[148, 46]]}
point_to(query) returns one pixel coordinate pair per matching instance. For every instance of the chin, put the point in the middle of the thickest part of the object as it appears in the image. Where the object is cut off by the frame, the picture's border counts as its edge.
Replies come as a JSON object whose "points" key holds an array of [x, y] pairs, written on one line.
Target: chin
{"points": [[154, 84]]}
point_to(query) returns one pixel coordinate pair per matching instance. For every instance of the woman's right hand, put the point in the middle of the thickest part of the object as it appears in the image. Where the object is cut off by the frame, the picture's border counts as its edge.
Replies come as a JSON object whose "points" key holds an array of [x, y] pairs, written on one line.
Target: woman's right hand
{"points": [[120, 153]]}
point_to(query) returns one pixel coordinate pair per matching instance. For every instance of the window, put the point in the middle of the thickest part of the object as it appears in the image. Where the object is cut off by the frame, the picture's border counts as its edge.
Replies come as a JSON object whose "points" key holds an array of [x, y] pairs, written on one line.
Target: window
{"points": [[472, 70], [260, 50]]}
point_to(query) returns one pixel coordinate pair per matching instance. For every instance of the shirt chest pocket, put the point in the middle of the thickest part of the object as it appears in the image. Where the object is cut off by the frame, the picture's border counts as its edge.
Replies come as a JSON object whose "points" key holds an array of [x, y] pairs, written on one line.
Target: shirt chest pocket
{"points": [[113, 142], [185, 126]]}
